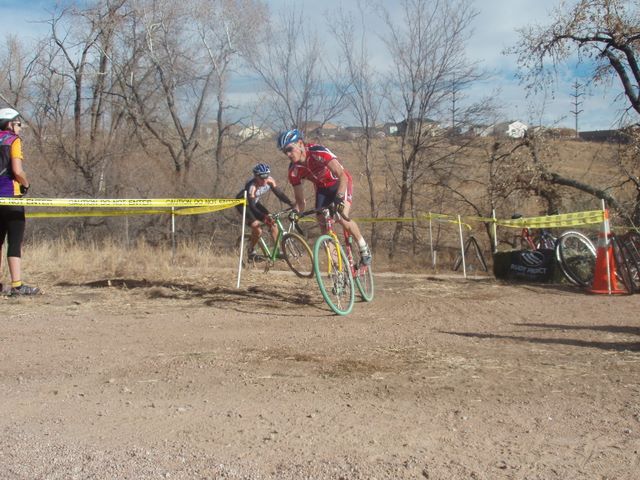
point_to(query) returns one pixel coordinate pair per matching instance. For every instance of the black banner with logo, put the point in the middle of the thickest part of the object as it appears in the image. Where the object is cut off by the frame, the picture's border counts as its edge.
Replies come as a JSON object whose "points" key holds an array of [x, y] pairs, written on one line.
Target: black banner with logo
{"points": [[530, 266]]}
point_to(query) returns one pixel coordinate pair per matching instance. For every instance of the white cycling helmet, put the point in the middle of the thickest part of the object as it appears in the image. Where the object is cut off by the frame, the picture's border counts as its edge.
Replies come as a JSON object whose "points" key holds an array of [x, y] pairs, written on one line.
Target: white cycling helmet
{"points": [[8, 114]]}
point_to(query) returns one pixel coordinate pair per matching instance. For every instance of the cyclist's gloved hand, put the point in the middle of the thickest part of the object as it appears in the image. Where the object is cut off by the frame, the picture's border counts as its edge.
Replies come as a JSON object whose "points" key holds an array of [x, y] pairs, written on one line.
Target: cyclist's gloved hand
{"points": [[268, 220], [339, 203], [23, 190], [294, 215]]}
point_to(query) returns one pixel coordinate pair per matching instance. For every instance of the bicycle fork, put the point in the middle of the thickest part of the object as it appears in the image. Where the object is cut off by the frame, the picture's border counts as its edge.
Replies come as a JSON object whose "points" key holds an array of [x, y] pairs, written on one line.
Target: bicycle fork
{"points": [[335, 267]]}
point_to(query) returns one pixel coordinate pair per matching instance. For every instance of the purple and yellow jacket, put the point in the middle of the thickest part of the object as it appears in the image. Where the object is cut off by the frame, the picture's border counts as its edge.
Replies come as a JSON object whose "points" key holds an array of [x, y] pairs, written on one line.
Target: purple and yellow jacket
{"points": [[10, 147]]}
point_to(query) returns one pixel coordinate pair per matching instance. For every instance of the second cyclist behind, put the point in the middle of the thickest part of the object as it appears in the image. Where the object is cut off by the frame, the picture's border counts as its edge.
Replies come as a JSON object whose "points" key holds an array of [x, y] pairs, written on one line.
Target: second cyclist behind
{"points": [[261, 183]]}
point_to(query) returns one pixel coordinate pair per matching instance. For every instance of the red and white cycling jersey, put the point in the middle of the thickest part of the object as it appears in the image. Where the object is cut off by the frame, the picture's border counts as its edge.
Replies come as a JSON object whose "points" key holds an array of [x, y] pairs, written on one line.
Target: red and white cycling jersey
{"points": [[314, 168]]}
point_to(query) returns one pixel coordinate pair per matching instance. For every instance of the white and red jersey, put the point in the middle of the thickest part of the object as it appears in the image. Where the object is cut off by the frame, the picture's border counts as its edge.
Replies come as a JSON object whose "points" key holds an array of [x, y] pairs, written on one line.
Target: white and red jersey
{"points": [[314, 168]]}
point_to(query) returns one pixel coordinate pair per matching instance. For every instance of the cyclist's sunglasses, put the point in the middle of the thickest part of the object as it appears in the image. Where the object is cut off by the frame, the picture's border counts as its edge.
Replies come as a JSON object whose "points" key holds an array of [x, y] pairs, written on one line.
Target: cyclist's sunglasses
{"points": [[263, 175], [288, 149]]}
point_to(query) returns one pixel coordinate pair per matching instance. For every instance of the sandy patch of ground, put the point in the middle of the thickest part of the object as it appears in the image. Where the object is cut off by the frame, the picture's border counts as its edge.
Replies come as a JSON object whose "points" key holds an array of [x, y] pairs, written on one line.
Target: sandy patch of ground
{"points": [[438, 378]]}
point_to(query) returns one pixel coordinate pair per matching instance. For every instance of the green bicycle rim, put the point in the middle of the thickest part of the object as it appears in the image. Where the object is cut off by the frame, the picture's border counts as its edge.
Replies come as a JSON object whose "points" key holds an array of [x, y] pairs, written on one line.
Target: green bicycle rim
{"points": [[339, 298]]}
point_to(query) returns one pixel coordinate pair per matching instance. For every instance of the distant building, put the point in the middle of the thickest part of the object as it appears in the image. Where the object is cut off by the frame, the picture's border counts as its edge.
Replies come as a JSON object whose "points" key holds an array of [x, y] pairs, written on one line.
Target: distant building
{"points": [[252, 132], [427, 126], [320, 129], [390, 129], [512, 129], [607, 136], [481, 130]]}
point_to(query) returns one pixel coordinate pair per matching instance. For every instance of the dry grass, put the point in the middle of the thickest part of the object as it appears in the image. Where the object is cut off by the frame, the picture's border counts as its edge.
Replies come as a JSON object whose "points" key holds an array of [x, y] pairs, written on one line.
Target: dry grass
{"points": [[77, 261], [67, 259]]}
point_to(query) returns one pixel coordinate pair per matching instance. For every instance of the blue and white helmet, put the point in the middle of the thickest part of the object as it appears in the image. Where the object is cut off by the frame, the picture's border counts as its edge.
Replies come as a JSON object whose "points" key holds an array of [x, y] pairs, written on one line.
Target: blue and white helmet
{"points": [[261, 170], [289, 136]]}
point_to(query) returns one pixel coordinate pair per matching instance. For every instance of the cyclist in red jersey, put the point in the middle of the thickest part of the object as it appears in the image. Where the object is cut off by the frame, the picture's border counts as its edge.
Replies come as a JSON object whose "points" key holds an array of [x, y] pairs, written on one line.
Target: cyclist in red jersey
{"points": [[332, 181]]}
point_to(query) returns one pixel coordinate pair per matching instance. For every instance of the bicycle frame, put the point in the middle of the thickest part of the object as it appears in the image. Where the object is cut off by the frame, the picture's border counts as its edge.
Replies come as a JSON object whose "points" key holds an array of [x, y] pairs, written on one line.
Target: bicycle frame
{"points": [[329, 222], [272, 254]]}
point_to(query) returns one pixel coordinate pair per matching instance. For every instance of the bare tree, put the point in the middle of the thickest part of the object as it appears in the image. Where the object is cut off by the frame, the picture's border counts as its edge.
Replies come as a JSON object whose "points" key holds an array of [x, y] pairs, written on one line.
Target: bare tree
{"points": [[363, 95], [427, 49], [289, 62], [73, 90], [168, 91], [227, 30], [602, 34], [16, 70]]}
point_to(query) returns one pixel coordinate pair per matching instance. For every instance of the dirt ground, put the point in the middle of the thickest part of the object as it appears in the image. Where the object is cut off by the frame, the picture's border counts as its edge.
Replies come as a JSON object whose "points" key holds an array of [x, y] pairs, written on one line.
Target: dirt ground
{"points": [[437, 378]]}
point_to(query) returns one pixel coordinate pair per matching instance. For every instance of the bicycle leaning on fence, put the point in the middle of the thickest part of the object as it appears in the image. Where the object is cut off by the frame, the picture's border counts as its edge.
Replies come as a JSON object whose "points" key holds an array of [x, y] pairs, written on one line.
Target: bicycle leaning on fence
{"points": [[530, 239], [626, 253], [289, 245], [339, 267]]}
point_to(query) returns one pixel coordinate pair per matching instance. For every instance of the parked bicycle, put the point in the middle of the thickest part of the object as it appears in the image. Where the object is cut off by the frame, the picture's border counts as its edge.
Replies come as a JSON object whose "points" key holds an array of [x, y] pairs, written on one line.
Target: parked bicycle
{"points": [[289, 245], [530, 239], [626, 252], [576, 256], [339, 266]]}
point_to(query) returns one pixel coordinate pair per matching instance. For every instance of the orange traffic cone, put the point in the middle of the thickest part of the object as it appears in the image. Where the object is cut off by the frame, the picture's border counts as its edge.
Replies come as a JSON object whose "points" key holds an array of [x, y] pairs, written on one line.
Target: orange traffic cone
{"points": [[604, 278]]}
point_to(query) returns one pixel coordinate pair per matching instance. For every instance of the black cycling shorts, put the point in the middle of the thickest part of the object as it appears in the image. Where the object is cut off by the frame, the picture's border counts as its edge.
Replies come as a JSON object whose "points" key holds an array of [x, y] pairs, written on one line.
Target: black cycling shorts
{"points": [[12, 223]]}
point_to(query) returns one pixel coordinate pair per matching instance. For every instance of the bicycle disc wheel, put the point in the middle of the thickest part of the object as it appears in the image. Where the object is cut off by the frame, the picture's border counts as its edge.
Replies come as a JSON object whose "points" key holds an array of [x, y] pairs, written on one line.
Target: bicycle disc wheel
{"points": [[576, 257], [363, 276], [298, 255], [331, 267]]}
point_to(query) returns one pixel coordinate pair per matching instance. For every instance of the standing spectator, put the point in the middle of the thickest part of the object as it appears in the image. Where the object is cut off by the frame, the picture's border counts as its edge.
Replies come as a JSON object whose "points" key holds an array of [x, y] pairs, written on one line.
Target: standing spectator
{"points": [[331, 180], [13, 183]]}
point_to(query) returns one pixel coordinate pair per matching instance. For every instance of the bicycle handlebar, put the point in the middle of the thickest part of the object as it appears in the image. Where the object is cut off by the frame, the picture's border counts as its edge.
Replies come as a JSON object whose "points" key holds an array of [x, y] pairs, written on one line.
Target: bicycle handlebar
{"points": [[331, 210]]}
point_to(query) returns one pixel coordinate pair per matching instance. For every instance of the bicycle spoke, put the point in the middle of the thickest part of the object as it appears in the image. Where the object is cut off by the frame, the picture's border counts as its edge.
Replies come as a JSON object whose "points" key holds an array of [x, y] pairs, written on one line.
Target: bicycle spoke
{"points": [[333, 275], [298, 255], [576, 257], [363, 276]]}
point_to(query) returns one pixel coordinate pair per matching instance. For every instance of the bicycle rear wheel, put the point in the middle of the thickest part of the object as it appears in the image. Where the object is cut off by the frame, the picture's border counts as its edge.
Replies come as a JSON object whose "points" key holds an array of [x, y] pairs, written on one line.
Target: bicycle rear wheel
{"points": [[298, 255], [630, 243], [261, 248], [331, 267], [576, 256], [623, 264], [363, 276]]}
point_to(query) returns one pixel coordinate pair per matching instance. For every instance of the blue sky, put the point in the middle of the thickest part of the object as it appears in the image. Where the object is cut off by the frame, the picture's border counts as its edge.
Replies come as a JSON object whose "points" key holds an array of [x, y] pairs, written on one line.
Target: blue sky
{"points": [[494, 30]]}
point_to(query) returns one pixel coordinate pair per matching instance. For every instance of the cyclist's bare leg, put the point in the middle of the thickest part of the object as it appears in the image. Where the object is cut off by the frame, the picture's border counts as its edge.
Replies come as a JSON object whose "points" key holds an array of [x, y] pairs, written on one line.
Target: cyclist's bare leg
{"points": [[274, 232], [351, 226], [354, 230], [256, 231]]}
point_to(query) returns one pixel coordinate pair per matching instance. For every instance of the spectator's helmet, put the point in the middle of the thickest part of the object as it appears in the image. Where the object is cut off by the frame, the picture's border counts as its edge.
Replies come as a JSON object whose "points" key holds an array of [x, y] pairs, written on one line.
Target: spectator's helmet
{"points": [[289, 136], [261, 170], [7, 115]]}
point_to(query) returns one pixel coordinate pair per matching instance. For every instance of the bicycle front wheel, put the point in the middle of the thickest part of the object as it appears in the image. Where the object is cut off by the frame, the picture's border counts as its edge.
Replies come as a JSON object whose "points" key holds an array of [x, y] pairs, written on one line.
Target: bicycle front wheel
{"points": [[298, 255], [333, 273], [363, 276], [576, 256]]}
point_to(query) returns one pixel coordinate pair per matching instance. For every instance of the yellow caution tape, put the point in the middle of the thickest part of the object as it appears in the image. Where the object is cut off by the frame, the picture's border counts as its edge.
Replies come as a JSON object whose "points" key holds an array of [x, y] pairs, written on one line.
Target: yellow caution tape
{"points": [[97, 213], [552, 221], [193, 206], [122, 202]]}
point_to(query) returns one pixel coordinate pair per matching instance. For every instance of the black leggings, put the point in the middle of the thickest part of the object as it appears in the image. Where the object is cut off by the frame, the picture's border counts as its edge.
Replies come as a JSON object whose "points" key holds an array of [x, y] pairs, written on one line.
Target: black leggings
{"points": [[12, 226]]}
